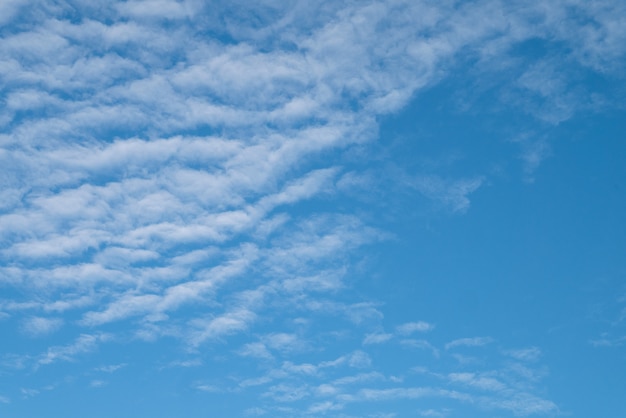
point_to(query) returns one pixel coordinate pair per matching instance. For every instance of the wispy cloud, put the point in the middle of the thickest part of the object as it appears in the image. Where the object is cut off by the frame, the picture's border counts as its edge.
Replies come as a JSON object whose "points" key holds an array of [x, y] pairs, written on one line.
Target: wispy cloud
{"points": [[451, 194], [434, 413], [479, 382], [39, 326], [111, 368], [525, 404], [306, 386], [377, 338], [420, 345], [411, 327], [525, 354], [469, 342], [83, 344], [97, 383], [608, 342], [28, 392], [221, 326]]}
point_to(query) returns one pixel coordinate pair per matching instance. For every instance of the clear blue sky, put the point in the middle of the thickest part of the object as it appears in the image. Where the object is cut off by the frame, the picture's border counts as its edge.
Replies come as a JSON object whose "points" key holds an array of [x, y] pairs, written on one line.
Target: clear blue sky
{"points": [[299, 209]]}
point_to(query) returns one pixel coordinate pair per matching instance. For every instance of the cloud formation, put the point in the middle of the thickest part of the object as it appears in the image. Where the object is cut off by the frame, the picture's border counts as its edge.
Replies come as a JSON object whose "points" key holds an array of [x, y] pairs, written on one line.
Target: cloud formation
{"points": [[178, 169]]}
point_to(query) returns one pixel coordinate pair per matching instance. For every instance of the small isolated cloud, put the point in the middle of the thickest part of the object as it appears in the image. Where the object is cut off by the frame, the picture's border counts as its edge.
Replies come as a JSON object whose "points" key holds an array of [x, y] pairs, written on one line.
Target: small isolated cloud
{"points": [[208, 388], [533, 152], [111, 368], [257, 381], [451, 194], [186, 363], [411, 327], [608, 342], [14, 361], [377, 338], [97, 383], [28, 392], [40, 326], [4, 399], [469, 342], [83, 344], [525, 354]]}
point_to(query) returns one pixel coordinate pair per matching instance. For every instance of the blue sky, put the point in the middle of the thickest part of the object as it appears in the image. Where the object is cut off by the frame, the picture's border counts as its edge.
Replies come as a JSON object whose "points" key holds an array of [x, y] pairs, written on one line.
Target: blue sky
{"points": [[298, 209]]}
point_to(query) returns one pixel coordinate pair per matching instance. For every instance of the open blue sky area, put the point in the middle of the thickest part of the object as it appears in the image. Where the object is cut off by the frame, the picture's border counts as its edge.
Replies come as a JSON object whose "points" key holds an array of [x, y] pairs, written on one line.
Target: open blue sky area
{"points": [[312, 208]]}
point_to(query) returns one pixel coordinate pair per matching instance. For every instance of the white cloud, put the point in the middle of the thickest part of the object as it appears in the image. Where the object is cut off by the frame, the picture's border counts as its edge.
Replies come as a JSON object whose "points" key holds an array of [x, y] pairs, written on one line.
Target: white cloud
{"points": [[164, 9], [40, 326], [377, 338], [147, 170], [255, 381], [255, 411], [469, 342], [83, 344], [411, 327], [282, 341], [420, 344], [525, 354], [608, 342], [209, 388], [111, 368], [221, 326], [433, 413], [29, 393], [286, 393], [359, 359], [480, 382], [97, 383], [534, 150], [305, 368], [307, 385], [257, 349], [451, 194], [406, 393], [359, 378], [9, 8], [324, 407], [526, 404], [186, 363]]}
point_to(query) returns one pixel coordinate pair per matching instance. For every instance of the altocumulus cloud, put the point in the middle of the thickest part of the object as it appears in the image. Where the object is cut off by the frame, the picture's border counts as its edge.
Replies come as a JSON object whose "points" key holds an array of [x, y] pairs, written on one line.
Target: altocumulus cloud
{"points": [[175, 172]]}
